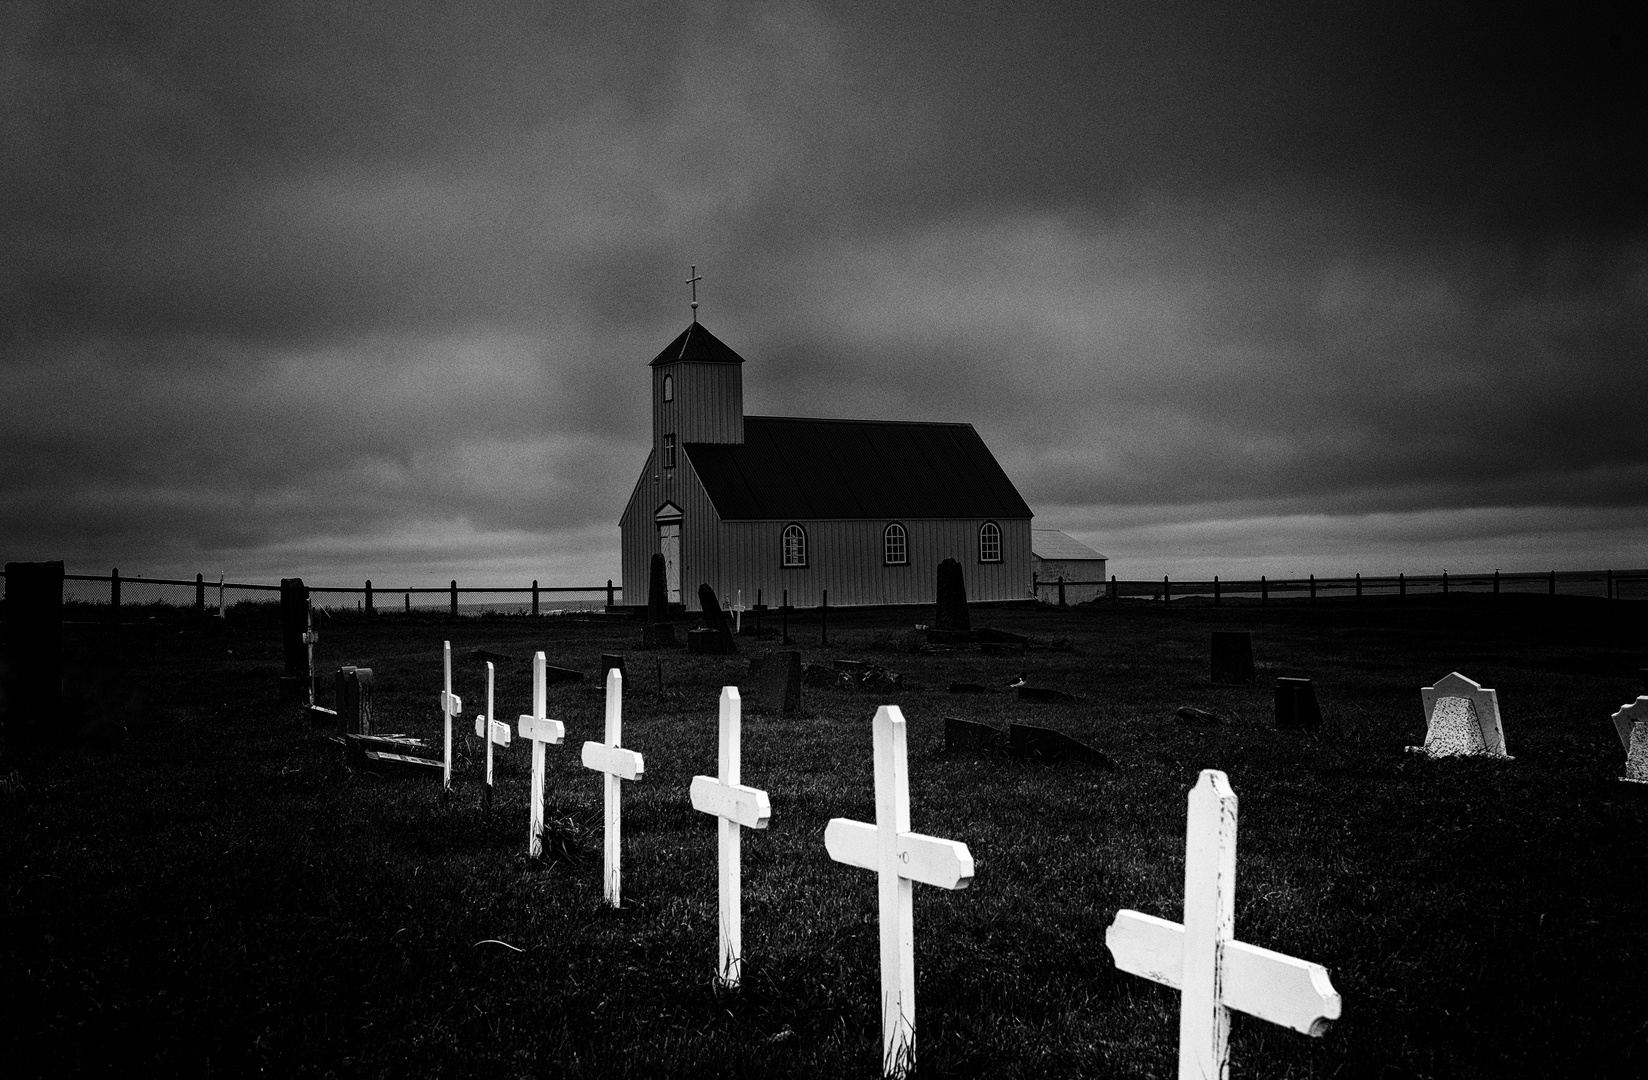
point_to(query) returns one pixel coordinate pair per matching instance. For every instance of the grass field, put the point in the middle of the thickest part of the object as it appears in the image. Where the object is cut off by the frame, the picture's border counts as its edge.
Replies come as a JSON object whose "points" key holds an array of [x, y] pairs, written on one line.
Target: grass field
{"points": [[219, 895]]}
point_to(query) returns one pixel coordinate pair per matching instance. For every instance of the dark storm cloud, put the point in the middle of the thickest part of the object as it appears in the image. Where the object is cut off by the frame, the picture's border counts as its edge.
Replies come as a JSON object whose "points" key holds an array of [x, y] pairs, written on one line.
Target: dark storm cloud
{"points": [[373, 286]]}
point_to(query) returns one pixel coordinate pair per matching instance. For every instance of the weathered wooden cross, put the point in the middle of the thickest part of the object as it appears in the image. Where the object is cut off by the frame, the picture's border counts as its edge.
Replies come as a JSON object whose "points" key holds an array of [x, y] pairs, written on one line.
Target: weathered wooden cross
{"points": [[1201, 958], [541, 730], [491, 731], [616, 762], [735, 806], [900, 858], [451, 706]]}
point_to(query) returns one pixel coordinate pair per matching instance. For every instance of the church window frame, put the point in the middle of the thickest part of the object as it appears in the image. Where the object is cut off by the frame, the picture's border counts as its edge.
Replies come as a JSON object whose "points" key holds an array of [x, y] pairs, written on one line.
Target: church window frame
{"points": [[793, 546], [989, 542], [669, 451], [895, 545], [669, 387]]}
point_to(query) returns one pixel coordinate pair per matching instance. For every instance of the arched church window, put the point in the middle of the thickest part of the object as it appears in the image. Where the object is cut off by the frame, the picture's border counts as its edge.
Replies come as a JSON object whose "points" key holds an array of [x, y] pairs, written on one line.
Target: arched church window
{"points": [[795, 545], [895, 549], [669, 387], [989, 542]]}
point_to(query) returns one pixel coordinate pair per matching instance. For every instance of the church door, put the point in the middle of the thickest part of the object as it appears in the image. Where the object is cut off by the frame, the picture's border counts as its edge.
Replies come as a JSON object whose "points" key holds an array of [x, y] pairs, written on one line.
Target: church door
{"points": [[669, 543]]}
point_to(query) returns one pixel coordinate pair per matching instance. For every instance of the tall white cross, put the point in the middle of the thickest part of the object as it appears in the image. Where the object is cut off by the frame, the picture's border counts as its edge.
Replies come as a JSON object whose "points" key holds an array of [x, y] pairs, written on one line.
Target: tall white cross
{"points": [[736, 806], [900, 858], [451, 706], [1202, 959], [491, 731], [541, 730], [616, 763]]}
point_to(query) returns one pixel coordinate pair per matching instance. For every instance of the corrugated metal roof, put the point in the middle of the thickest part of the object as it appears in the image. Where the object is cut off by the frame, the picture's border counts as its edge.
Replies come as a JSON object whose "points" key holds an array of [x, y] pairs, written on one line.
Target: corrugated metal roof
{"points": [[698, 345], [801, 468], [1053, 544]]}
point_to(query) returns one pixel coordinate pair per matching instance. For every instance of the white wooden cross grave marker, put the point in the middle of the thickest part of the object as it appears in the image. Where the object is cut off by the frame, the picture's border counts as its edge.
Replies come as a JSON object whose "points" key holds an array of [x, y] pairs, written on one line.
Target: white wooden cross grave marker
{"points": [[735, 806], [451, 706], [491, 732], [900, 858], [1202, 959], [616, 762], [541, 730], [1631, 722], [1462, 720]]}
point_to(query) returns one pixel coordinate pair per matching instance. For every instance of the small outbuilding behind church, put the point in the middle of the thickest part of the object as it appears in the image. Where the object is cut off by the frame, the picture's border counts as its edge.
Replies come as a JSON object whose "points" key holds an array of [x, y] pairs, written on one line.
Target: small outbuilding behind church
{"points": [[1056, 555]]}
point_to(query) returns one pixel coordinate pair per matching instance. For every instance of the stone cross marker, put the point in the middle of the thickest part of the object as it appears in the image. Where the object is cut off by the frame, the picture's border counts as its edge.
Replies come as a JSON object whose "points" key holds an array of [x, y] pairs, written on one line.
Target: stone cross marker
{"points": [[1631, 723], [1463, 720], [613, 760], [491, 732], [1202, 959], [451, 706], [900, 858], [736, 807], [541, 730]]}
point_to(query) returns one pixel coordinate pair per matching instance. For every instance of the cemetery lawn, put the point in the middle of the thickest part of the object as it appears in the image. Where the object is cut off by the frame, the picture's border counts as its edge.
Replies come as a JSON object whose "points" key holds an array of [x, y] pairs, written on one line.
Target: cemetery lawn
{"points": [[219, 894]]}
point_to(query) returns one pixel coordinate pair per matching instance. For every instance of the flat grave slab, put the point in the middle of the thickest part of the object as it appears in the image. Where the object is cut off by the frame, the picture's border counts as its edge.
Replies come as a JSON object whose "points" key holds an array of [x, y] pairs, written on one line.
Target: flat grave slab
{"points": [[962, 734], [1045, 695], [968, 688], [1044, 744]]}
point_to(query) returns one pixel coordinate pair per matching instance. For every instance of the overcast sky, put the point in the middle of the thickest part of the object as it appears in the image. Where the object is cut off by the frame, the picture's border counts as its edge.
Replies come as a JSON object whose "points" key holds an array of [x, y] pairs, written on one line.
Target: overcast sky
{"points": [[368, 290]]}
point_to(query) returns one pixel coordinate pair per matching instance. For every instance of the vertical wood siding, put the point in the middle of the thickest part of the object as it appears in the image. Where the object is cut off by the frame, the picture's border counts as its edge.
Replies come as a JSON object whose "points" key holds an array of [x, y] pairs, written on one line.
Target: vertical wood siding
{"points": [[708, 405]]}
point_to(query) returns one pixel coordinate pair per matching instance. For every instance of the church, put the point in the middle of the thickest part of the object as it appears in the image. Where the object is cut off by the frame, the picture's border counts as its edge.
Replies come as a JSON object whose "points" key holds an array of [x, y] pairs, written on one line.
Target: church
{"points": [[768, 506]]}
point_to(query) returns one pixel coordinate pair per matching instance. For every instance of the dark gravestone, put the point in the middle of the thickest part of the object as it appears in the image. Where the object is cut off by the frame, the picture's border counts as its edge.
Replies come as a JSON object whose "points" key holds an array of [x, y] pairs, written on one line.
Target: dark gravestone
{"points": [[776, 683], [1192, 715], [715, 619], [1044, 695], [1000, 637], [704, 640], [969, 735], [968, 688], [352, 694], [1296, 706], [610, 661], [658, 632], [294, 622], [952, 598], [1045, 744], [553, 675], [31, 669], [1232, 656], [819, 675]]}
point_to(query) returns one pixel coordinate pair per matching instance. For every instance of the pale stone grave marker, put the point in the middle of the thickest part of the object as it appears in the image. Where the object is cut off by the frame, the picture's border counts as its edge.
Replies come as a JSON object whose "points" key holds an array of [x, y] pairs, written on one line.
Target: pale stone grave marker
{"points": [[736, 807], [451, 706], [1202, 959], [616, 763], [900, 858], [1463, 720], [492, 732], [541, 730], [1631, 723]]}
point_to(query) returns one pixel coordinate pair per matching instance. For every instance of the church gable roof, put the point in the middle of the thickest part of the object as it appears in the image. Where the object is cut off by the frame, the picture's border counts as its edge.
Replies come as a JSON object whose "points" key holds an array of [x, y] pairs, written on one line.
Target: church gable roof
{"points": [[1053, 544], [800, 468], [697, 345]]}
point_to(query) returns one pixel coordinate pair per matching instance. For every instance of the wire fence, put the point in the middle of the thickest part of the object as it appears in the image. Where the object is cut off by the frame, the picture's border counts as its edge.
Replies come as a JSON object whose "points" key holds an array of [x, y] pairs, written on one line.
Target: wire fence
{"points": [[117, 593], [1610, 584]]}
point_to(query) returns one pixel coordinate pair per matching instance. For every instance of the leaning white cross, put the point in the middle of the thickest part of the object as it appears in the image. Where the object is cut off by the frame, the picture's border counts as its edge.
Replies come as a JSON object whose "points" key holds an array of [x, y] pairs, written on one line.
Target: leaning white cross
{"points": [[451, 706], [615, 762], [542, 731], [735, 805], [1214, 972], [900, 858], [491, 732]]}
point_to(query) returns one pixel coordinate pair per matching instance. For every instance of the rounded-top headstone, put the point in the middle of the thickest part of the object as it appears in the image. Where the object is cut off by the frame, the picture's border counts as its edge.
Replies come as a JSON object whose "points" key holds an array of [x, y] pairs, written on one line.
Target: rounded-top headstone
{"points": [[952, 598], [657, 591]]}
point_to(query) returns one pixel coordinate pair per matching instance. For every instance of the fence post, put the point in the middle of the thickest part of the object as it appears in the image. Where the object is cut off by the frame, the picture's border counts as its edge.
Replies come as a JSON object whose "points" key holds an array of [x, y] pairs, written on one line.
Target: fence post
{"points": [[1264, 590], [200, 594], [33, 635], [824, 617], [1496, 581], [784, 617], [1610, 584], [369, 608], [609, 594], [1401, 584], [1061, 590], [114, 593], [1313, 587], [535, 599], [1115, 593], [1358, 586], [296, 684], [1444, 583], [409, 603], [1167, 591], [454, 598], [1553, 583], [1215, 589]]}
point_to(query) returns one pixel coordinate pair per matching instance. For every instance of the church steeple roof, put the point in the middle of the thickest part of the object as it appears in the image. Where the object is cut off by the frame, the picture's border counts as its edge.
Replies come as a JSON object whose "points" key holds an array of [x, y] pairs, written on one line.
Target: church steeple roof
{"points": [[697, 345]]}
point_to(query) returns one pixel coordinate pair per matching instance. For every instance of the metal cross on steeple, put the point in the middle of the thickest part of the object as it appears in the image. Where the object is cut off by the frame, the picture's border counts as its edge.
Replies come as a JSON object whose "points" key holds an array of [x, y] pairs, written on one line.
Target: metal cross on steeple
{"points": [[693, 281]]}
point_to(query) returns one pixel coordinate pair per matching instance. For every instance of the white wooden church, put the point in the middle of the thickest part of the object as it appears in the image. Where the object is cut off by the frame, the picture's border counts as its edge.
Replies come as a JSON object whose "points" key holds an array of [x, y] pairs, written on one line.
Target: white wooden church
{"points": [[764, 505]]}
